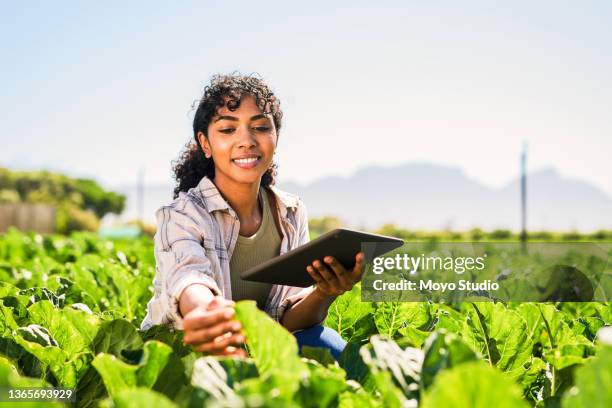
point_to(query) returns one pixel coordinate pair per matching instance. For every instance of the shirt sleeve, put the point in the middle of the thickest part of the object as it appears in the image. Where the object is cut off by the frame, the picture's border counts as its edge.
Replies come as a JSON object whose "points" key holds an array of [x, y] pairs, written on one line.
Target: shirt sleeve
{"points": [[181, 261]]}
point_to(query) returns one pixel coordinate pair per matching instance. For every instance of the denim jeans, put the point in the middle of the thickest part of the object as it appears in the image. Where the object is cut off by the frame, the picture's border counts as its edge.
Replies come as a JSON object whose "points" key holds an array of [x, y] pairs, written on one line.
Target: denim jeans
{"points": [[320, 336]]}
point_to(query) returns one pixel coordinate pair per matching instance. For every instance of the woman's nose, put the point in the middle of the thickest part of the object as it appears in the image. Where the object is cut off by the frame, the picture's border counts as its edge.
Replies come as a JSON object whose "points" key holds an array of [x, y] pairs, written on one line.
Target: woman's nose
{"points": [[246, 137]]}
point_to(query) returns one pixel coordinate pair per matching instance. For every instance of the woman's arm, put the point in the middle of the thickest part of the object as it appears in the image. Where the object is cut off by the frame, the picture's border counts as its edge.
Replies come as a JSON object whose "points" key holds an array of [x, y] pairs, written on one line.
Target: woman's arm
{"points": [[332, 280], [309, 311]]}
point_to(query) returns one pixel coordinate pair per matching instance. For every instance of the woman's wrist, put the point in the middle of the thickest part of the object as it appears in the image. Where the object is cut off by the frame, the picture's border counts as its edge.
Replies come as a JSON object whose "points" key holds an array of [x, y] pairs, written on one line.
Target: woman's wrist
{"points": [[193, 296]]}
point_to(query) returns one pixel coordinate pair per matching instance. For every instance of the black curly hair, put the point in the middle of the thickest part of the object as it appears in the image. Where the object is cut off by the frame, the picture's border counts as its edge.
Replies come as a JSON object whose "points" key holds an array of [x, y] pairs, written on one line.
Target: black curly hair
{"points": [[223, 90]]}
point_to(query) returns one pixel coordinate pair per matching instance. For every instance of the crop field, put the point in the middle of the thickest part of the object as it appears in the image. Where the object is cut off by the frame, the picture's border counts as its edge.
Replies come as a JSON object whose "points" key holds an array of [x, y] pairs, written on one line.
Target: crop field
{"points": [[70, 309]]}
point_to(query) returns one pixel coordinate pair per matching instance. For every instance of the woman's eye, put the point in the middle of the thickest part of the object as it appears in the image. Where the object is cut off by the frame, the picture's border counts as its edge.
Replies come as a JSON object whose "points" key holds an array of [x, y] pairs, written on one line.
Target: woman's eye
{"points": [[226, 131], [262, 128]]}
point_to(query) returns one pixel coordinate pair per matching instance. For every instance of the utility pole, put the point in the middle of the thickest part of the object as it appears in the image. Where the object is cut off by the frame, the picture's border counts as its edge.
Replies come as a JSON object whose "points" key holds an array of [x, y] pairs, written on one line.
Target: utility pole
{"points": [[524, 197], [140, 195]]}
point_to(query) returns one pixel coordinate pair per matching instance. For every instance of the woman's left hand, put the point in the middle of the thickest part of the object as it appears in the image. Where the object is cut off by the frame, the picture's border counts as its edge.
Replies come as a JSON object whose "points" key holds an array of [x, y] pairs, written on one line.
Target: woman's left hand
{"points": [[332, 278]]}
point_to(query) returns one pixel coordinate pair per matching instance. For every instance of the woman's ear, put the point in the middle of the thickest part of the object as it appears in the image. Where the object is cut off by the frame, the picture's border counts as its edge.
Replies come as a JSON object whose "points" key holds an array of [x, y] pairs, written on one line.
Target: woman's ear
{"points": [[205, 146]]}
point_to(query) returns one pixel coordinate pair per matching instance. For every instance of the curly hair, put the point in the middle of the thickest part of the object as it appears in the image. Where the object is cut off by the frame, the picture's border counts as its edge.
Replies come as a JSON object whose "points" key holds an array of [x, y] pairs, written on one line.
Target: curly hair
{"points": [[223, 90]]}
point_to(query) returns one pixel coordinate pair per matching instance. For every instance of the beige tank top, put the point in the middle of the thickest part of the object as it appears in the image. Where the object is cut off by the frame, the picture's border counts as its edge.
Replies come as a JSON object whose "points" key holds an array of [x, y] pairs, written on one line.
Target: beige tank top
{"points": [[253, 250]]}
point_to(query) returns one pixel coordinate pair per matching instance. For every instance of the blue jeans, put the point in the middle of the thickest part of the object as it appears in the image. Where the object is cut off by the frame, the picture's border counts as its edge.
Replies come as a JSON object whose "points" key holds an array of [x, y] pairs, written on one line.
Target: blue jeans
{"points": [[320, 336]]}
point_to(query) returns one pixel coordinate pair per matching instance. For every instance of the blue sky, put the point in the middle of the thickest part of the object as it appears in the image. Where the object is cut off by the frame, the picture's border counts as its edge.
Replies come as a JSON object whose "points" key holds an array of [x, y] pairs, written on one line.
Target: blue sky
{"points": [[101, 90]]}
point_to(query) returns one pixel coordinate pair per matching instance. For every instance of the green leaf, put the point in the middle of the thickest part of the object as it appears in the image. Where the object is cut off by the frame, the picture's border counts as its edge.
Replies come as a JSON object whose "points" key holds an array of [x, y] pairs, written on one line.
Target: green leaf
{"points": [[473, 385], [37, 334], [53, 358], [10, 378], [390, 317], [351, 317], [74, 330], [319, 354], [351, 362], [349, 399], [563, 346], [27, 362], [403, 366], [7, 322], [115, 336], [237, 369], [173, 338], [322, 387], [90, 388], [593, 386], [386, 391], [37, 294], [443, 351], [118, 375], [500, 335], [139, 397], [271, 391], [209, 375], [271, 346]]}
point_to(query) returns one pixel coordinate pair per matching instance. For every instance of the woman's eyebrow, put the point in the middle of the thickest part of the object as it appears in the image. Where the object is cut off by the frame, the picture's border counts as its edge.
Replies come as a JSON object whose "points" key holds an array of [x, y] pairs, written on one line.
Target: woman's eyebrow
{"points": [[233, 118], [226, 118]]}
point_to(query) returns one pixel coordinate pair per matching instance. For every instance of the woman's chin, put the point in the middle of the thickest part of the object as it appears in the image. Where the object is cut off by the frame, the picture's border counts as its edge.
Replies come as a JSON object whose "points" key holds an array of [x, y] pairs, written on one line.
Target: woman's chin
{"points": [[247, 177]]}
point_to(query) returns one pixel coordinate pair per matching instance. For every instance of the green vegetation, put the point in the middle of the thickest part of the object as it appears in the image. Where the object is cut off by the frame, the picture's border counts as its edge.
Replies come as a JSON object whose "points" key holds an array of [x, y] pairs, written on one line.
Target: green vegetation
{"points": [[70, 310], [478, 234], [322, 225], [80, 202]]}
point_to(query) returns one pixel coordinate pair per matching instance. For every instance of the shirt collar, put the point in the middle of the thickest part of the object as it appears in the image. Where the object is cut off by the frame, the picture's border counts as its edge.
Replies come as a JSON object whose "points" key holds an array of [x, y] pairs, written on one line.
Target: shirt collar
{"points": [[214, 200]]}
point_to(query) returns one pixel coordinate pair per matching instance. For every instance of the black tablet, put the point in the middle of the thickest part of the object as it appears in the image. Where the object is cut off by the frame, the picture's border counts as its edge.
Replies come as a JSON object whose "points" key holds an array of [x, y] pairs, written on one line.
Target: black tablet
{"points": [[342, 244]]}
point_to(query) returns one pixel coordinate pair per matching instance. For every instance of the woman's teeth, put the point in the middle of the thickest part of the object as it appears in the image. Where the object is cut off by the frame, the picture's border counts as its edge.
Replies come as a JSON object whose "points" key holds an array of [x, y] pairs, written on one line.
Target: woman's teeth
{"points": [[246, 161]]}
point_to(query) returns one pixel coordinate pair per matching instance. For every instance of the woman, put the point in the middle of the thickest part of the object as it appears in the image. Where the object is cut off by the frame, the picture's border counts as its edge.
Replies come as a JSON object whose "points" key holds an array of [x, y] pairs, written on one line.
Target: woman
{"points": [[227, 217]]}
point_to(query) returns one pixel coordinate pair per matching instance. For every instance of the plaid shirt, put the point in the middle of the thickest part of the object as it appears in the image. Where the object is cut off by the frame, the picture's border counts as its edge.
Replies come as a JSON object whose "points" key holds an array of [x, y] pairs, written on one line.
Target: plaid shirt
{"points": [[196, 236]]}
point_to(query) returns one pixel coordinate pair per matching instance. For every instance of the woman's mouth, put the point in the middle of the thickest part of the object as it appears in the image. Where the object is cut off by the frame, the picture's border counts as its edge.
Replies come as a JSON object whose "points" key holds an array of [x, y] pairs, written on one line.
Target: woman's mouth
{"points": [[247, 162]]}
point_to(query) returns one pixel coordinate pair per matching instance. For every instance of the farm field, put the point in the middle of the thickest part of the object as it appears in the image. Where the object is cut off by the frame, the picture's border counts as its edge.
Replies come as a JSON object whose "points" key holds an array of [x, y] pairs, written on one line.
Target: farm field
{"points": [[70, 309]]}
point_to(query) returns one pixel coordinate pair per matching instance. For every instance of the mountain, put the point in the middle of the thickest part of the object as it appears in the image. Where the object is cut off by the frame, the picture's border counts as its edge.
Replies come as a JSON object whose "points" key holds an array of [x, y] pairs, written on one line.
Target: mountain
{"points": [[430, 196]]}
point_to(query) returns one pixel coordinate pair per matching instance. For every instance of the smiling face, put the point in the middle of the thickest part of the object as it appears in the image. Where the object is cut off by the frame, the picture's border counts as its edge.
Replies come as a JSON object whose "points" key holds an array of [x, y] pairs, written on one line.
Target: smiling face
{"points": [[241, 143]]}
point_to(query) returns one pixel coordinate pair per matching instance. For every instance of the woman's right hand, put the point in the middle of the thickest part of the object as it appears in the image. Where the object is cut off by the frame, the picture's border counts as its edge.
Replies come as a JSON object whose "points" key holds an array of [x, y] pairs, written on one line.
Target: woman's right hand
{"points": [[212, 329]]}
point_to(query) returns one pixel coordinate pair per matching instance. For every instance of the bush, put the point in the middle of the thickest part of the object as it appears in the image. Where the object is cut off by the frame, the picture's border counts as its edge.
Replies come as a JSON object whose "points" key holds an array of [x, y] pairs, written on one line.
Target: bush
{"points": [[500, 234], [476, 234], [70, 218], [323, 225], [571, 236], [541, 235], [9, 197], [601, 235]]}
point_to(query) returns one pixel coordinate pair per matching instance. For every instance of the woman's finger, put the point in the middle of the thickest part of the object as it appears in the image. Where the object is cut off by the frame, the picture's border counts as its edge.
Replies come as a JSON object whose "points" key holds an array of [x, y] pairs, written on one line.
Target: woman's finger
{"points": [[232, 351], [314, 275], [206, 335], [346, 282], [319, 280], [200, 318], [357, 272], [220, 343], [329, 276]]}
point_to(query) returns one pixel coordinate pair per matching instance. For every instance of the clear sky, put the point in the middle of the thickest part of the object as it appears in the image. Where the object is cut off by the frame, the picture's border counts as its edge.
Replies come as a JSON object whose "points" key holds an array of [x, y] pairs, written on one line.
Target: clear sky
{"points": [[102, 89]]}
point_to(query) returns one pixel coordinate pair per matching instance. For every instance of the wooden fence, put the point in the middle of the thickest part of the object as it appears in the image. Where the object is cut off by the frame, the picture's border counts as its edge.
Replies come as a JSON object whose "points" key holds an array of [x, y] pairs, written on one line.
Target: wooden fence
{"points": [[27, 217]]}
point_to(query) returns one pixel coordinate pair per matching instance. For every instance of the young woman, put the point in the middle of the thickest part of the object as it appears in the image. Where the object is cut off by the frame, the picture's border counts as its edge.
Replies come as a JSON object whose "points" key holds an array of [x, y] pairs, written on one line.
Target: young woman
{"points": [[227, 217]]}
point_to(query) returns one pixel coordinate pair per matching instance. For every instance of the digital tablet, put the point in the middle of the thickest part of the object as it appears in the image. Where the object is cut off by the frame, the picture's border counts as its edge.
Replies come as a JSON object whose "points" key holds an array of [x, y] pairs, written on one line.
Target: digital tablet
{"points": [[343, 244]]}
